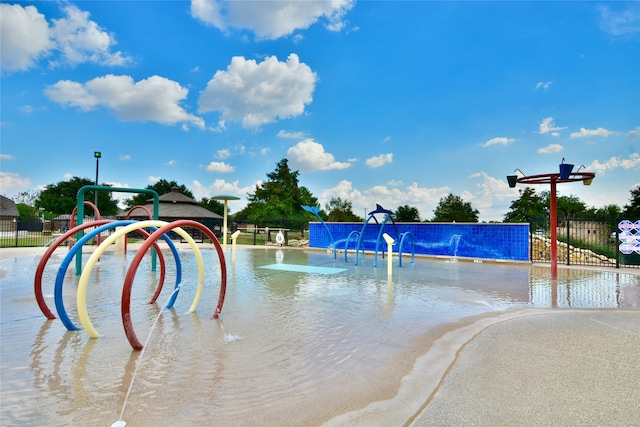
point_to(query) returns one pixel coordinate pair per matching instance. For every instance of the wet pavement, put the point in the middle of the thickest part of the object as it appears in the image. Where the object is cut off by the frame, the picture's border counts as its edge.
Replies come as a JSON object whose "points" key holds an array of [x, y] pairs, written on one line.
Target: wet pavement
{"points": [[548, 367]]}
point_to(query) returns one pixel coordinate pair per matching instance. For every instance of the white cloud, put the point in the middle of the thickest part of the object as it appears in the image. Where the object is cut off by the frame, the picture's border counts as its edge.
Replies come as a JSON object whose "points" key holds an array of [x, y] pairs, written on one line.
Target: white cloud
{"points": [[543, 85], [271, 20], [258, 93], [79, 40], [550, 149], [500, 140], [24, 37], [633, 134], [6, 157], [381, 160], [547, 126], [633, 162], [220, 167], [220, 186], [422, 198], [154, 179], [155, 99], [290, 135], [223, 154], [489, 191], [345, 191], [618, 23], [27, 37], [124, 157], [171, 163], [309, 156], [585, 133], [13, 183], [120, 197]]}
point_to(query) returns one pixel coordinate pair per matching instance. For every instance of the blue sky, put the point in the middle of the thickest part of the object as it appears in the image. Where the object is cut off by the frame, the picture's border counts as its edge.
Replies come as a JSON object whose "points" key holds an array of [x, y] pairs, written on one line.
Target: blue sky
{"points": [[388, 102]]}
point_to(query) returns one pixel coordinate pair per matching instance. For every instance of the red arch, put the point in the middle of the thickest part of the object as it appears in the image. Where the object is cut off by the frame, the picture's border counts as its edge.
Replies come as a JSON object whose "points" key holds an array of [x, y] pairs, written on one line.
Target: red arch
{"points": [[127, 217], [37, 281], [125, 306], [72, 221]]}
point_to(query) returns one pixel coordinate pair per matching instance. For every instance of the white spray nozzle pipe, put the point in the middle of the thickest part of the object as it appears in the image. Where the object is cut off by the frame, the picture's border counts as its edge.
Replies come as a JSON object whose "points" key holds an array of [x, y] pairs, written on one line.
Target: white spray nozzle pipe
{"points": [[390, 240]]}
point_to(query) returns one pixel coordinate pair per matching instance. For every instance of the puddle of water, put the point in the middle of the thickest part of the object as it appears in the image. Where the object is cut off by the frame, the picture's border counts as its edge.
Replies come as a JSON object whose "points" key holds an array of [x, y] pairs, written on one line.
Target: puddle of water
{"points": [[293, 346]]}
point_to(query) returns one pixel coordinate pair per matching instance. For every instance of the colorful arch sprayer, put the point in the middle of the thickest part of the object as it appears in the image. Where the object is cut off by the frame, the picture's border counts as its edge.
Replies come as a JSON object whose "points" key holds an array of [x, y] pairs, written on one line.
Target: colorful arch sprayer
{"points": [[161, 228]]}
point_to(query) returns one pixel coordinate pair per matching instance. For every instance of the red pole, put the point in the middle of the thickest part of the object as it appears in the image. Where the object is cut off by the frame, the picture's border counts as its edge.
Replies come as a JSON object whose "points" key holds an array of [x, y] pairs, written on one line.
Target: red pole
{"points": [[554, 228]]}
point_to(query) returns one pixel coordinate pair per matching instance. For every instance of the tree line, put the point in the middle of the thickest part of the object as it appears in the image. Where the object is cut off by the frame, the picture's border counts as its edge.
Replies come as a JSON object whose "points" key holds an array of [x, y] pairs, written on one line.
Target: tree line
{"points": [[281, 196]]}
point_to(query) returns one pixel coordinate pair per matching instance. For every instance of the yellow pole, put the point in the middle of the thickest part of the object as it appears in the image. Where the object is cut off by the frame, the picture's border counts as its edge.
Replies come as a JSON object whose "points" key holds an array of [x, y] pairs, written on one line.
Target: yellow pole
{"points": [[234, 237], [224, 228], [389, 241]]}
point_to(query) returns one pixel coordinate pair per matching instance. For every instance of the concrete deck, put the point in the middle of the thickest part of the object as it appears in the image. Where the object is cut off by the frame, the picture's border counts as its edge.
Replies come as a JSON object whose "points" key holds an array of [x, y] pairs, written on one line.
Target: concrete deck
{"points": [[547, 367]]}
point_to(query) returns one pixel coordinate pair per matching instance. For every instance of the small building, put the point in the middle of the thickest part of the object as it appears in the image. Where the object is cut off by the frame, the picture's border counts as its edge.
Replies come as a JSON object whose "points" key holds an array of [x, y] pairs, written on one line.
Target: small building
{"points": [[8, 214], [174, 206]]}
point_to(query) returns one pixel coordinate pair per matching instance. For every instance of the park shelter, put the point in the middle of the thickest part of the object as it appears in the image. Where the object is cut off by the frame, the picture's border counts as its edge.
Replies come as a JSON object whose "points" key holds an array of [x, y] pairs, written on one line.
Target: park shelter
{"points": [[174, 206]]}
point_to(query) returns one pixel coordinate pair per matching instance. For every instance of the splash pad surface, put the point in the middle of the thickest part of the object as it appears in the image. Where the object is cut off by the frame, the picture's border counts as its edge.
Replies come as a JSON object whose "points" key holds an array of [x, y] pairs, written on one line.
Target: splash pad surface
{"points": [[290, 348]]}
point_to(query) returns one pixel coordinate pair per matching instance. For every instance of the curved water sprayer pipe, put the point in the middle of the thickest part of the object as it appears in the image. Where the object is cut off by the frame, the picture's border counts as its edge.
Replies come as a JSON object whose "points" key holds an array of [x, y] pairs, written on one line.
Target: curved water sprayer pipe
{"points": [[58, 299], [126, 290], [37, 280], [84, 278]]}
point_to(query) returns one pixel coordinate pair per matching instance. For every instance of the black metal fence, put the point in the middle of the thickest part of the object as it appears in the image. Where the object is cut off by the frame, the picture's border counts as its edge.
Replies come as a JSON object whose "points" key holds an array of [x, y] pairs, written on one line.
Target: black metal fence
{"points": [[25, 232], [584, 242], [265, 231], [596, 243]]}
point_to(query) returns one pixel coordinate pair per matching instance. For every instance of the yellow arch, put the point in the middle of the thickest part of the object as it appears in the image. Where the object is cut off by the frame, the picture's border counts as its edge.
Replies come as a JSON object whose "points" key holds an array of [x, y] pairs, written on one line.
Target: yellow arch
{"points": [[95, 256]]}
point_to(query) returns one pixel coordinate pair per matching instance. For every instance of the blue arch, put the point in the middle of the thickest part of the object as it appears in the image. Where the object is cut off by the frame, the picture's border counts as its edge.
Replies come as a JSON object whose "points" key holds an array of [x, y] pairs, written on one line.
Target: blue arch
{"points": [[413, 247], [315, 210], [62, 313], [388, 215], [346, 244]]}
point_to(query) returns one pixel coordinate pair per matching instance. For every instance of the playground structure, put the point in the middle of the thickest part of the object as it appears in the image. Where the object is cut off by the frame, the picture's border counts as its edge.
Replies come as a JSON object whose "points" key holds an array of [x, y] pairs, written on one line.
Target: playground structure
{"points": [[358, 236], [566, 174], [152, 230]]}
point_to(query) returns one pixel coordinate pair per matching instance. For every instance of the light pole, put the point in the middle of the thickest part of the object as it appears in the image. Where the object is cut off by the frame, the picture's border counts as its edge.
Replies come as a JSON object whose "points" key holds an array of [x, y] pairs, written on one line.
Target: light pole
{"points": [[97, 155]]}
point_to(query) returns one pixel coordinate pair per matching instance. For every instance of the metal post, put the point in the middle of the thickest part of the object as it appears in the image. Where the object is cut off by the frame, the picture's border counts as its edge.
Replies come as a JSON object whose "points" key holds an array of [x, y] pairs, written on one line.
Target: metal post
{"points": [[97, 155], [568, 240], [554, 230]]}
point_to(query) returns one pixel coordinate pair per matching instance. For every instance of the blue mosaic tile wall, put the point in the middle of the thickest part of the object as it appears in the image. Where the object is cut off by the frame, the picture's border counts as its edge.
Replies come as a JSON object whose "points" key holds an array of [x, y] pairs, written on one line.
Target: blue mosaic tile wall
{"points": [[484, 241]]}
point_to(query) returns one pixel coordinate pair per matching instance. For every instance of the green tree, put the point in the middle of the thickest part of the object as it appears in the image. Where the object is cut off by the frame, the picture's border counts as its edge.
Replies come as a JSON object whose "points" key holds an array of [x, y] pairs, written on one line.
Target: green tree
{"points": [[25, 203], [26, 211], [407, 213], [530, 207], [341, 211], [61, 198], [279, 197], [569, 207], [161, 187], [606, 213], [632, 210], [452, 208], [213, 205], [26, 198]]}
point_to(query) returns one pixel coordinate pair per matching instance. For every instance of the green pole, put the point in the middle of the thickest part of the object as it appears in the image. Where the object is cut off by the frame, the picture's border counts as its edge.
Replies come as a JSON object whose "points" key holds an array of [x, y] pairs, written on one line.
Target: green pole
{"points": [[80, 214]]}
